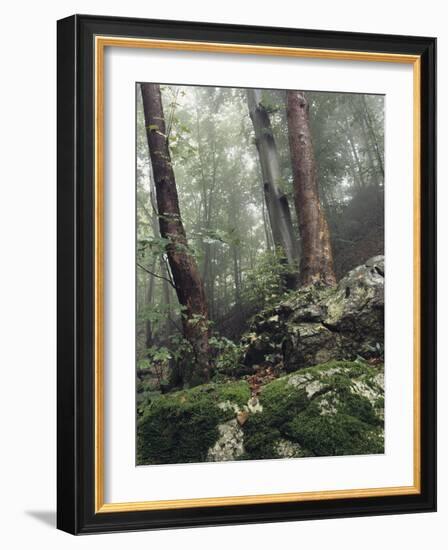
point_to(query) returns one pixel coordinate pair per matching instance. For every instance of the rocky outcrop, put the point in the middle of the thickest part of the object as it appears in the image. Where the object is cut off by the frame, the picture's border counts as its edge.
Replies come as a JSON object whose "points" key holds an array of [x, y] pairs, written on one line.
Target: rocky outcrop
{"points": [[259, 411], [316, 324], [332, 409]]}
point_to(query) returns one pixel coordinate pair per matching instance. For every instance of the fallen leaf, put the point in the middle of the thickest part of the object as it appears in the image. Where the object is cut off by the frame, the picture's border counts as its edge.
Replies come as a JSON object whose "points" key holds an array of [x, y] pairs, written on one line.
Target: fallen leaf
{"points": [[242, 417]]}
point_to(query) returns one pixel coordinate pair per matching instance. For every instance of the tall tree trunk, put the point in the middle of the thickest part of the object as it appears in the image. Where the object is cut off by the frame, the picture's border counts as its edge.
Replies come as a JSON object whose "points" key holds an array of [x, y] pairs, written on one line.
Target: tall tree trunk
{"points": [[354, 152], [211, 284], [187, 280], [317, 258], [208, 182], [374, 169], [236, 274], [148, 302], [266, 227], [276, 201], [368, 120]]}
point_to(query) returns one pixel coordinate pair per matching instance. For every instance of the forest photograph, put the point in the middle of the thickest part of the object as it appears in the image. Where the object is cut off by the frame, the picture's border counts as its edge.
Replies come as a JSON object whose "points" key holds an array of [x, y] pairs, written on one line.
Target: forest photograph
{"points": [[259, 274]]}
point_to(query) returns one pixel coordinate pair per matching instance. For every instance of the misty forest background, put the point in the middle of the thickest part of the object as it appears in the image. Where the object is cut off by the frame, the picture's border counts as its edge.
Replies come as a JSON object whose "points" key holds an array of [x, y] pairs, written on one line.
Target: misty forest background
{"points": [[241, 226]]}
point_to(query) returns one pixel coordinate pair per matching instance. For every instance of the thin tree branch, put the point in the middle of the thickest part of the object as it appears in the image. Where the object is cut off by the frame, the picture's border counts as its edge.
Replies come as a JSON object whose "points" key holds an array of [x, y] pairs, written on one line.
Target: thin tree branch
{"points": [[155, 275], [175, 325], [168, 270]]}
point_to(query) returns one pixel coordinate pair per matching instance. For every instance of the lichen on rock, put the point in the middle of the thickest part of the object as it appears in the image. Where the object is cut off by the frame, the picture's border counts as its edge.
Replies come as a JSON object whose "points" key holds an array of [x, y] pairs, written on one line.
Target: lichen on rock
{"points": [[229, 445], [288, 449], [317, 324]]}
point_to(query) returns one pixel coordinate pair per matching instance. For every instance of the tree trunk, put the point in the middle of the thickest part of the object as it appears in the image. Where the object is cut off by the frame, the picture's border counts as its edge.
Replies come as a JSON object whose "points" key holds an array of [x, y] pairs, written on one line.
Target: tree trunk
{"points": [[211, 284], [148, 301], [317, 258], [187, 280], [354, 152], [266, 227], [276, 201], [369, 123], [368, 148], [236, 274]]}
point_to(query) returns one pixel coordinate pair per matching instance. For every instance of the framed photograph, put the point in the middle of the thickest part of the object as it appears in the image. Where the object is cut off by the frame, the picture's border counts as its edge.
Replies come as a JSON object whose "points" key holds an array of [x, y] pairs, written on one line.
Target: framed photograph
{"points": [[246, 274]]}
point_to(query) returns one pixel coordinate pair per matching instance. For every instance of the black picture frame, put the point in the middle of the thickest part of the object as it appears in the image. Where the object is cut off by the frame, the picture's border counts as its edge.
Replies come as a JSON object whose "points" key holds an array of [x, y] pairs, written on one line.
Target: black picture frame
{"points": [[76, 512]]}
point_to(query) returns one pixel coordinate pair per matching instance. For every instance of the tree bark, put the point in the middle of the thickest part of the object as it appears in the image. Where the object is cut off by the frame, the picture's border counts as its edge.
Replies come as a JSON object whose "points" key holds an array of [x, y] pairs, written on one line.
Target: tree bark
{"points": [[316, 264], [276, 201], [187, 280]]}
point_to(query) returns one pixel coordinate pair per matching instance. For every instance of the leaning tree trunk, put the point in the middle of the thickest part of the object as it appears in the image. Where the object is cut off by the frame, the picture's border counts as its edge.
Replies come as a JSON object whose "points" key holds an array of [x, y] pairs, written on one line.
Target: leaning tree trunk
{"points": [[276, 201], [187, 280], [317, 258]]}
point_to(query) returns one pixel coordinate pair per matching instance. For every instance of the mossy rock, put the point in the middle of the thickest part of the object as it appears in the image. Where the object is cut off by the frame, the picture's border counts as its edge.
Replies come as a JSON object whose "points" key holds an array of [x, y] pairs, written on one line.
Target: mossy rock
{"points": [[181, 427], [331, 409], [316, 323], [326, 410]]}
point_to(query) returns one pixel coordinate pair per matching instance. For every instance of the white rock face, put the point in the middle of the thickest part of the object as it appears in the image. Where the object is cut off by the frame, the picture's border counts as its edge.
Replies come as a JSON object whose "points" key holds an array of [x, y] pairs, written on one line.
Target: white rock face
{"points": [[299, 380], [313, 387], [254, 405], [379, 380], [288, 449], [361, 388], [306, 381], [328, 405], [330, 372], [230, 443], [228, 406]]}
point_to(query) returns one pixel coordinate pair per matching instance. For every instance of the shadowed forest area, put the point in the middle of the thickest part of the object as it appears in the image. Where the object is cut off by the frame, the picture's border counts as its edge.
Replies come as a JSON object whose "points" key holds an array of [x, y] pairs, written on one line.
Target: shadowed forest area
{"points": [[260, 235]]}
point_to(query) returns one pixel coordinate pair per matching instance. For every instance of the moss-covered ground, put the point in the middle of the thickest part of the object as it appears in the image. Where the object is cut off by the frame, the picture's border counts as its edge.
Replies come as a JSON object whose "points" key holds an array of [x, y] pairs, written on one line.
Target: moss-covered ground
{"points": [[330, 409]]}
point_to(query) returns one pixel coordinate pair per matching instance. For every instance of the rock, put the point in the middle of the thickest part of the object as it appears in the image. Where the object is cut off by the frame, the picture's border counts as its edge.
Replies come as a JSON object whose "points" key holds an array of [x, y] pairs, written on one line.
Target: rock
{"points": [[288, 449], [326, 410], [254, 405], [183, 426], [228, 406], [332, 409], [229, 445], [317, 324]]}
